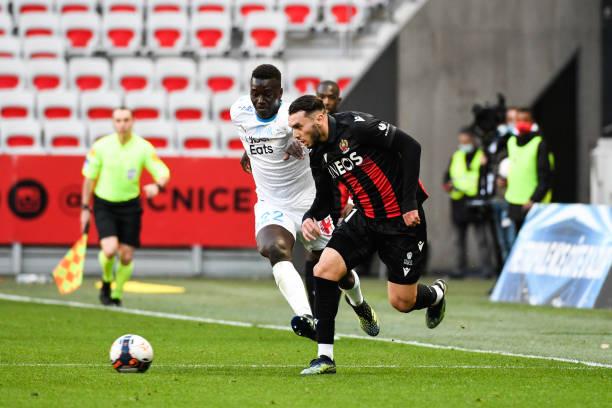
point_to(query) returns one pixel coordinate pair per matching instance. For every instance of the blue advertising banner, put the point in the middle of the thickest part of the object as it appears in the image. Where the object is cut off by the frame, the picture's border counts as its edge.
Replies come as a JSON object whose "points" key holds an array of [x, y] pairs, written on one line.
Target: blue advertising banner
{"points": [[562, 257]]}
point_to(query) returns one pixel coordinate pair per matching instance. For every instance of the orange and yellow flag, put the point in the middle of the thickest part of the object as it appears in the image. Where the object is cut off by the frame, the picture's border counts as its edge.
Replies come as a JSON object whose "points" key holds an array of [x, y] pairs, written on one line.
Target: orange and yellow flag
{"points": [[68, 274]]}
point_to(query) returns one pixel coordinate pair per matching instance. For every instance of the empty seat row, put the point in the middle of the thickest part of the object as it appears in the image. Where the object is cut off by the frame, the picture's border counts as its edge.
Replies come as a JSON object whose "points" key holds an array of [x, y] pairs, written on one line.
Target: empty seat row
{"points": [[75, 137], [167, 74]]}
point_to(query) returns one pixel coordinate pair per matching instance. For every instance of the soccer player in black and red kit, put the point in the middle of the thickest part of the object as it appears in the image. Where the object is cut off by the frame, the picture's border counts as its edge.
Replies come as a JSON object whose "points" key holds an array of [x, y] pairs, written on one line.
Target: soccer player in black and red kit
{"points": [[379, 164]]}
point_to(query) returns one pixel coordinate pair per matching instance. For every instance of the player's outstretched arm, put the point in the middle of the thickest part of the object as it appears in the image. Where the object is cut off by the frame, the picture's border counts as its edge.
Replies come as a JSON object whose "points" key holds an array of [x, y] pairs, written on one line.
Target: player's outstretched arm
{"points": [[294, 149]]}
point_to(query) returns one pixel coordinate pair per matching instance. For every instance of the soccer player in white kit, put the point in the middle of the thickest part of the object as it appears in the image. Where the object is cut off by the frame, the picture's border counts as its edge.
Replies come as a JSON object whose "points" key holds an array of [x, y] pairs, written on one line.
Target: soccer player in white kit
{"points": [[285, 190]]}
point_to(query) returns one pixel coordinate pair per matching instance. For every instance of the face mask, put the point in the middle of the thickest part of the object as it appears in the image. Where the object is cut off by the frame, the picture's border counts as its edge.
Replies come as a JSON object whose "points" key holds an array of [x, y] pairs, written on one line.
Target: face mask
{"points": [[523, 127], [466, 148]]}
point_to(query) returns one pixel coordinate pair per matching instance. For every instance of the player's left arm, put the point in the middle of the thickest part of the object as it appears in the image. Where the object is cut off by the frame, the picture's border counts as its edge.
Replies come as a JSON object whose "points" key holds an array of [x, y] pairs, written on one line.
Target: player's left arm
{"points": [[387, 136], [158, 169], [322, 205]]}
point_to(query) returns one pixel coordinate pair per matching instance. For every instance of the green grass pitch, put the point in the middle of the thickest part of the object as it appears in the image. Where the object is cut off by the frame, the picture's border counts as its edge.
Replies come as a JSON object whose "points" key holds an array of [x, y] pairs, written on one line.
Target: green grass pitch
{"points": [[53, 355]]}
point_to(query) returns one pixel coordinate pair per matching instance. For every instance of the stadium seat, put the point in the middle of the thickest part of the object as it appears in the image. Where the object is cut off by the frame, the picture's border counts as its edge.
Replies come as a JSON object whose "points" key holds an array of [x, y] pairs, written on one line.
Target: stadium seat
{"points": [[230, 145], [65, 137], [205, 6], [167, 33], [99, 105], [264, 34], [75, 6], [220, 75], [123, 6], [21, 137], [121, 33], [344, 72], [301, 14], [159, 133], [249, 64], [10, 47], [245, 7], [188, 106], [210, 33], [96, 130], [166, 6], [4, 7], [304, 75], [47, 74], [89, 74], [148, 105], [133, 74], [38, 24], [16, 105], [175, 74], [345, 15], [6, 24], [23, 7], [57, 105], [81, 32], [43, 47], [221, 104], [198, 139], [12, 74]]}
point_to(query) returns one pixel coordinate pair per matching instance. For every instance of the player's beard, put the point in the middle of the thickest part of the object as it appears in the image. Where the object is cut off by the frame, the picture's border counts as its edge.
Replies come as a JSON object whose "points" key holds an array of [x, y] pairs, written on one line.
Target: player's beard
{"points": [[316, 135]]}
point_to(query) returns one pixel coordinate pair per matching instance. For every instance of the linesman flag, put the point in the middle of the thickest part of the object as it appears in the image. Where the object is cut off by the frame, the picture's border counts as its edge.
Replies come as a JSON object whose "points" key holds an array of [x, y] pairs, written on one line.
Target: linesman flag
{"points": [[68, 274]]}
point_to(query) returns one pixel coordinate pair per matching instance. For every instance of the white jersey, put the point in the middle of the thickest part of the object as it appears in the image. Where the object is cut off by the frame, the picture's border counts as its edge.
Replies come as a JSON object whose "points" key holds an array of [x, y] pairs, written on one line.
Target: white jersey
{"points": [[288, 183]]}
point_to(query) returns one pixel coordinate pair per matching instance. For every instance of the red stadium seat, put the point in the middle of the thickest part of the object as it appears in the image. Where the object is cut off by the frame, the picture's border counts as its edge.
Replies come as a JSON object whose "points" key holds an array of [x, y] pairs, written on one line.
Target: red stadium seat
{"points": [[264, 34], [21, 7], [21, 137], [167, 33], [230, 145], [38, 24], [76, 6], [301, 14], [10, 47], [246, 7], [121, 33], [99, 105], [221, 104], [344, 15], [123, 6], [47, 74], [220, 75], [57, 105], [12, 74], [210, 33], [175, 74], [80, 30], [16, 105], [133, 74], [89, 74], [306, 74], [166, 6], [65, 137], [43, 47], [198, 139], [206, 6], [147, 105], [6, 24], [159, 133], [188, 106]]}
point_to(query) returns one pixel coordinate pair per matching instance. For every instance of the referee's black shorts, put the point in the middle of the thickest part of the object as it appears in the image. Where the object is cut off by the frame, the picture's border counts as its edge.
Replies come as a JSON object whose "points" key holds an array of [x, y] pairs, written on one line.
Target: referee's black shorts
{"points": [[122, 220], [401, 248]]}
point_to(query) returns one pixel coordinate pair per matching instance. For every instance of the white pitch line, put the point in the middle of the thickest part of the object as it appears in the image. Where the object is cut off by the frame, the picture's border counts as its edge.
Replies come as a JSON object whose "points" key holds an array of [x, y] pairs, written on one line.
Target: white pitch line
{"points": [[174, 316]]}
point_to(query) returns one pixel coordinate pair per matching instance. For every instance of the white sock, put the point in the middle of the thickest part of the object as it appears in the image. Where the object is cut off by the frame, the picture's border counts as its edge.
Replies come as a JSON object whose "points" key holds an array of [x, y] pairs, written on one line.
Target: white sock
{"points": [[291, 286], [354, 294], [439, 294], [326, 350]]}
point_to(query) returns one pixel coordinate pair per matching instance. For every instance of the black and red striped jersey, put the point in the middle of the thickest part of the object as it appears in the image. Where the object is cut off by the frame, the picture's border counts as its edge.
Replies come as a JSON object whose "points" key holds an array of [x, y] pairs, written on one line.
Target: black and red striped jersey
{"points": [[378, 163]]}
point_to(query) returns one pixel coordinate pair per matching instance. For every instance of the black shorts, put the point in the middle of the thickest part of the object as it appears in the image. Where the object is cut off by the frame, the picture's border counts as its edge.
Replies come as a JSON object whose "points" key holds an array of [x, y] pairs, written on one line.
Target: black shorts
{"points": [[122, 220], [402, 249]]}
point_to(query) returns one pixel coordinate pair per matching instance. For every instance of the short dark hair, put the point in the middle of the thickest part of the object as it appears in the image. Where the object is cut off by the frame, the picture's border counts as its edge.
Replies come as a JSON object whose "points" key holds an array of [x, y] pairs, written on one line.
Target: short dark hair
{"points": [[332, 84], [123, 107], [524, 109], [306, 103], [467, 130], [266, 71]]}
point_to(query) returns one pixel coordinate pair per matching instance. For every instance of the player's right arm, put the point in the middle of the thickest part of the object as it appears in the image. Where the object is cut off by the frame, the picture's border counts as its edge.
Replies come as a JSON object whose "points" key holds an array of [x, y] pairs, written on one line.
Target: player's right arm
{"points": [[323, 203], [91, 171]]}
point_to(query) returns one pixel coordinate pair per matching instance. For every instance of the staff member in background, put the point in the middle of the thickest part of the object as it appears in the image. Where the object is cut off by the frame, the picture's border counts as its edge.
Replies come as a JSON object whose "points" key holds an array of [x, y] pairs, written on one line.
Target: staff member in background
{"points": [[462, 182], [112, 172], [529, 176]]}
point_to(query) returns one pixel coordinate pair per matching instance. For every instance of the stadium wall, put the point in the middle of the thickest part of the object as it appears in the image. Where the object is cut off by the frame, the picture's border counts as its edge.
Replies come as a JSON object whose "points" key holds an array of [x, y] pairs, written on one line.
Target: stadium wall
{"points": [[452, 55]]}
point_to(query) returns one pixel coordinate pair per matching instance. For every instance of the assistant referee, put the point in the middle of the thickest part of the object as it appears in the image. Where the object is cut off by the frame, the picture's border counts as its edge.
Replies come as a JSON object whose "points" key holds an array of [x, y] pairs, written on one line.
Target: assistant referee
{"points": [[112, 172]]}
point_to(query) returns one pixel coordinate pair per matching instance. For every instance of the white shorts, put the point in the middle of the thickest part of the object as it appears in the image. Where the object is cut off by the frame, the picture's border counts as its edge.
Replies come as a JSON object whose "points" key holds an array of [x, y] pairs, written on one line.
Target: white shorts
{"points": [[291, 219]]}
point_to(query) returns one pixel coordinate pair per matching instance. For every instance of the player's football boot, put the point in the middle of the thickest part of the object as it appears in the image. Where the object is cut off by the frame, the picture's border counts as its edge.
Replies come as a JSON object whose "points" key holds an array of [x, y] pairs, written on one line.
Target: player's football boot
{"points": [[435, 314], [366, 316], [116, 302], [304, 326], [105, 292], [321, 365]]}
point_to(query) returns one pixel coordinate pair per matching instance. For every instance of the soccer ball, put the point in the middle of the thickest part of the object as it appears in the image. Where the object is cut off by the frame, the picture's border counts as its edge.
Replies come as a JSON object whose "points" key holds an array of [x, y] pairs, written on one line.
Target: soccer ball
{"points": [[131, 354]]}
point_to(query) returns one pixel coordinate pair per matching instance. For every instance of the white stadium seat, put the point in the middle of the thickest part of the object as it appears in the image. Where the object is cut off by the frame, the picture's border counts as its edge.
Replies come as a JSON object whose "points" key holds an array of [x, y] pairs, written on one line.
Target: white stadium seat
{"points": [[188, 106], [38, 24], [220, 75], [221, 104], [206, 6], [89, 74], [230, 143], [99, 105], [166, 6], [150, 105], [43, 47], [167, 33], [10, 47], [198, 139], [159, 133], [121, 33], [75, 6], [243, 8], [304, 75], [301, 14], [345, 15], [27, 7], [264, 34], [47, 74], [249, 65], [81, 32], [123, 6], [210, 33], [57, 105], [175, 74], [4, 7], [6, 24], [97, 129], [16, 105], [65, 137], [345, 71], [133, 74], [21, 137], [12, 74]]}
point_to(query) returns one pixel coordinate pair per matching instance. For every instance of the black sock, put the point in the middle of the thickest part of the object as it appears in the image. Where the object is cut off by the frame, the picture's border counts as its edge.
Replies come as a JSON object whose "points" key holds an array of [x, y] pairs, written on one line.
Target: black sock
{"points": [[309, 277], [327, 300], [426, 296]]}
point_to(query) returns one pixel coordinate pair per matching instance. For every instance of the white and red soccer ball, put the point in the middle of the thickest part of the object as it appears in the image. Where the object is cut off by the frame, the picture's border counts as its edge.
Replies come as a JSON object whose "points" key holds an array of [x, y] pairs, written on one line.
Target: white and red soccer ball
{"points": [[131, 354]]}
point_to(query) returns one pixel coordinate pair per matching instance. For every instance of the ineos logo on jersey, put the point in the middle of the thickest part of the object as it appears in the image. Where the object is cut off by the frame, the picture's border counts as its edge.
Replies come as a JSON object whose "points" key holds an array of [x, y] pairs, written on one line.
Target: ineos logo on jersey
{"points": [[345, 164], [262, 149]]}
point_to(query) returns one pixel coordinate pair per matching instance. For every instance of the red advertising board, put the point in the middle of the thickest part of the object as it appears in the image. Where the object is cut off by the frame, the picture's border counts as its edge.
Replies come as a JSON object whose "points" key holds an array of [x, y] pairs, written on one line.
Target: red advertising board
{"points": [[208, 202]]}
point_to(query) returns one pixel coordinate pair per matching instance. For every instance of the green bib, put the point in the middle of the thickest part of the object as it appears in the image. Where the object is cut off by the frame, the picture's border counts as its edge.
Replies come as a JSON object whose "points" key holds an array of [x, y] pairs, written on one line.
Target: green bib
{"points": [[523, 171], [464, 178]]}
